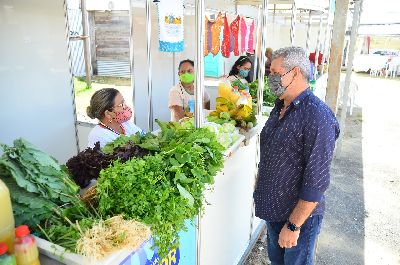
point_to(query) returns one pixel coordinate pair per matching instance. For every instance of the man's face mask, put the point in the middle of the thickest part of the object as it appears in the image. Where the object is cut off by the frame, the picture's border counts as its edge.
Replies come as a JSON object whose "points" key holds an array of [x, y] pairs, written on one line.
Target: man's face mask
{"points": [[275, 83]]}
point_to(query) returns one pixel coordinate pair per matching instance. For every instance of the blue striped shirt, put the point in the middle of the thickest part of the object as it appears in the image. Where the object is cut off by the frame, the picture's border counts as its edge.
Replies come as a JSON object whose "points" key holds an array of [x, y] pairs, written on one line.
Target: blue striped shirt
{"points": [[295, 157]]}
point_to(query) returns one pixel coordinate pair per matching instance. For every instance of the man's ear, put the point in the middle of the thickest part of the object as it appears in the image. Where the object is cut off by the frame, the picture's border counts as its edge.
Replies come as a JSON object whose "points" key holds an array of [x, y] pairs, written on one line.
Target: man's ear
{"points": [[297, 71]]}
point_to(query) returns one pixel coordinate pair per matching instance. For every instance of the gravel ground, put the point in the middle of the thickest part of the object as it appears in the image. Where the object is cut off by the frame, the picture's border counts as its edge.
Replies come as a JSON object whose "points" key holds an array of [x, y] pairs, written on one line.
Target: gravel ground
{"points": [[363, 200]]}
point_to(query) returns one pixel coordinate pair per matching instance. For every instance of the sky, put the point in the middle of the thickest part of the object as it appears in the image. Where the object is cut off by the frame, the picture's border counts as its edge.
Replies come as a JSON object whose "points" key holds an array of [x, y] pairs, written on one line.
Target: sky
{"points": [[380, 11]]}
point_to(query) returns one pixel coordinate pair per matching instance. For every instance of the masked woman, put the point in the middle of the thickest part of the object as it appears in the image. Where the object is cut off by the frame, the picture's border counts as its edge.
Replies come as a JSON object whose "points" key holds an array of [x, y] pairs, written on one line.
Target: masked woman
{"points": [[239, 73], [181, 96], [108, 107]]}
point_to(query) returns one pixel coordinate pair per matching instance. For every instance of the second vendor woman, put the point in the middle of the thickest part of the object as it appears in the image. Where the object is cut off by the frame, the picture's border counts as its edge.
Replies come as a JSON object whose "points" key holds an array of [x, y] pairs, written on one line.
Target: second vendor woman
{"points": [[181, 94]]}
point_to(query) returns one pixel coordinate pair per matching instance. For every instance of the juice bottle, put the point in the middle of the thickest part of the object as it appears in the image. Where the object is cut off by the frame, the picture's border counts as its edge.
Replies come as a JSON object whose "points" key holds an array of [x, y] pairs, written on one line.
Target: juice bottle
{"points": [[5, 258], [6, 218], [25, 247]]}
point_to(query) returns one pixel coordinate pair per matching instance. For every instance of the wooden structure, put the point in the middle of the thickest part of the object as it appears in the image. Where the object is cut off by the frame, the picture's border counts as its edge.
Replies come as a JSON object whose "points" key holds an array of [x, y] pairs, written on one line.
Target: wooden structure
{"points": [[109, 41]]}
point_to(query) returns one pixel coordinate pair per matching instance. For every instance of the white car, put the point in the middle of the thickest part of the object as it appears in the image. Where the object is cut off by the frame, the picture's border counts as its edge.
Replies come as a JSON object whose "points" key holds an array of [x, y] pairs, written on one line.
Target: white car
{"points": [[375, 61]]}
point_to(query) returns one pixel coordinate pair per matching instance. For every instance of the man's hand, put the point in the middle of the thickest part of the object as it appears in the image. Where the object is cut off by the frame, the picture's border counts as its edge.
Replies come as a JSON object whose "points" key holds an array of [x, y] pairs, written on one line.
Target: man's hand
{"points": [[287, 238]]}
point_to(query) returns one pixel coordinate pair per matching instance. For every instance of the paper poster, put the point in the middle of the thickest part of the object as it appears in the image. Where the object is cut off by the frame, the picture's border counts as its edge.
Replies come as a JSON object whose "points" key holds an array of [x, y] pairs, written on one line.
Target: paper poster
{"points": [[170, 19]]}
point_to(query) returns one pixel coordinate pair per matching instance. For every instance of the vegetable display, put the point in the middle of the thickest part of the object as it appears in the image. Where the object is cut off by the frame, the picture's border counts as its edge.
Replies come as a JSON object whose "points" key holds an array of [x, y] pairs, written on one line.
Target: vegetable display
{"points": [[268, 97], [37, 183], [110, 235], [144, 182], [87, 164], [227, 134], [242, 116], [165, 189]]}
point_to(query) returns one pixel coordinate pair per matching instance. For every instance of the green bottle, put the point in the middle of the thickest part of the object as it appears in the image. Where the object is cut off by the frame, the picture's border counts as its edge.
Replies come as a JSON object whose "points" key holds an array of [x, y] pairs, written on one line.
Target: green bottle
{"points": [[5, 258]]}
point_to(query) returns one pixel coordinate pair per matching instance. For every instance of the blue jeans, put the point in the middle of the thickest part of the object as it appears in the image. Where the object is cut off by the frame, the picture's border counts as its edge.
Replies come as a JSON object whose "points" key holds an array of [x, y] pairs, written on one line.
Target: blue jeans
{"points": [[303, 253]]}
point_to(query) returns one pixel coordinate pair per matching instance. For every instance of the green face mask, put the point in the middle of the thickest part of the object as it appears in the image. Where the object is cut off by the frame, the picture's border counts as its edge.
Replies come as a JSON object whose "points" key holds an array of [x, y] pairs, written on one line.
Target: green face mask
{"points": [[187, 78]]}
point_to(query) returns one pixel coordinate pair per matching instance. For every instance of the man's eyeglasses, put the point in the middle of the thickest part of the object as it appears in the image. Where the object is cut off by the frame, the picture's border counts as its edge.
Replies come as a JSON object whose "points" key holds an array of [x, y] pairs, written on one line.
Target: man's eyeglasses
{"points": [[272, 74]]}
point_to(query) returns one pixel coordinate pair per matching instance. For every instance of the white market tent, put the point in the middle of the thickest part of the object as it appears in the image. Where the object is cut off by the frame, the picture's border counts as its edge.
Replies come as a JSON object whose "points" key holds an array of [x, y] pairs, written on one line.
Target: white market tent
{"points": [[37, 96]]}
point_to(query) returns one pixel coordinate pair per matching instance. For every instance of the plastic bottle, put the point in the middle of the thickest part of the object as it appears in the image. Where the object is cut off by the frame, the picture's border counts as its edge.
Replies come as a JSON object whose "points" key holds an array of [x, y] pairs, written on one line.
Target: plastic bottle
{"points": [[5, 258], [6, 218], [191, 105], [26, 251]]}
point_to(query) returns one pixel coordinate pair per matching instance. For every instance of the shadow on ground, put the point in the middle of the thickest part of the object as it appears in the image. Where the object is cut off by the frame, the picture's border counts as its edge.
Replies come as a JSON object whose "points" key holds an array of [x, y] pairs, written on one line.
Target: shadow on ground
{"points": [[342, 237]]}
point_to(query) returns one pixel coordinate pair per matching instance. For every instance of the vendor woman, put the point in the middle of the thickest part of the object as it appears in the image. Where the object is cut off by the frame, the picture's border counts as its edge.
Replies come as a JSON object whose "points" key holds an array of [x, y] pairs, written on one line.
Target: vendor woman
{"points": [[181, 94], [240, 71], [108, 107]]}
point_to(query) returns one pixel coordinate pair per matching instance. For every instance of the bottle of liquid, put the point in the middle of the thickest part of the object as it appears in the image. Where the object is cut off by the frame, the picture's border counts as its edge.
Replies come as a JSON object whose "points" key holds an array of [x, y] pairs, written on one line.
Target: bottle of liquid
{"points": [[5, 258], [6, 218], [26, 251]]}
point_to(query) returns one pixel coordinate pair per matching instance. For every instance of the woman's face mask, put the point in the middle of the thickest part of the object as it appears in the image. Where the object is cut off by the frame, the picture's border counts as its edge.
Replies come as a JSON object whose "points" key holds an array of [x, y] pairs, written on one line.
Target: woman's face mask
{"points": [[123, 116], [187, 78], [244, 73], [275, 83]]}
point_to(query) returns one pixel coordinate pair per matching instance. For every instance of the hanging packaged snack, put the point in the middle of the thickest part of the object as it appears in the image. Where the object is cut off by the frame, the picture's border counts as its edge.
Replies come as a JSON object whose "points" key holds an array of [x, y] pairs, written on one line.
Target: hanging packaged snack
{"points": [[243, 33], [250, 42], [235, 35], [226, 43]]}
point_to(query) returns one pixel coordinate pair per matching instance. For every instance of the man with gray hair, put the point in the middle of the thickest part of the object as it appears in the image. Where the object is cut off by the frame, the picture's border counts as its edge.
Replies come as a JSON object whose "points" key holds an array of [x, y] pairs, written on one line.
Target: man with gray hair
{"points": [[297, 144]]}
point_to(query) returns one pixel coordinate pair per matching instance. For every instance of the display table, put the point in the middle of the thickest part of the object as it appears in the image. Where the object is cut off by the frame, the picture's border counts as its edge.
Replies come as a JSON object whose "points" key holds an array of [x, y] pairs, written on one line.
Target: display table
{"points": [[227, 224]]}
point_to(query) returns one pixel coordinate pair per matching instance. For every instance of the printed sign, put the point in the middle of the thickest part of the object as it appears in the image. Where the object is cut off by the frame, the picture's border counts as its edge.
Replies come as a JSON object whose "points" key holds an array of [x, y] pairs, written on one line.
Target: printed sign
{"points": [[170, 19]]}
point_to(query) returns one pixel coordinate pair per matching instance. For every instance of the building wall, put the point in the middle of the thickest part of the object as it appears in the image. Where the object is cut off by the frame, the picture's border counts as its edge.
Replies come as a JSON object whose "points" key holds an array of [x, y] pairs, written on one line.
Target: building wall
{"points": [[36, 100]]}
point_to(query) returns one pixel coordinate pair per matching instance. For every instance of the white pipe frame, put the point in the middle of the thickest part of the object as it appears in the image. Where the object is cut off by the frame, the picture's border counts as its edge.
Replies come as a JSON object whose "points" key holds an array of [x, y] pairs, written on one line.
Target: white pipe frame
{"points": [[317, 49], [346, 90], [308, 32], [199, 94], [149, 77], [293, 24], [131, 59]]}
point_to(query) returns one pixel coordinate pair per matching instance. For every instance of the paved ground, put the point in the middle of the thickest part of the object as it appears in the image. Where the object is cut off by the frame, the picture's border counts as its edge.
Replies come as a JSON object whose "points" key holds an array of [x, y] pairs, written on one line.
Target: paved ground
{"points": [[362, 222]]}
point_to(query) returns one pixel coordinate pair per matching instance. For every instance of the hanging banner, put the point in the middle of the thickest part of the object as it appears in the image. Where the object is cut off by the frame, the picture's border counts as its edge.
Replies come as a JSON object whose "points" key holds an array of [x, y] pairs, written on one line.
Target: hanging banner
{"points": [[170, 20]]}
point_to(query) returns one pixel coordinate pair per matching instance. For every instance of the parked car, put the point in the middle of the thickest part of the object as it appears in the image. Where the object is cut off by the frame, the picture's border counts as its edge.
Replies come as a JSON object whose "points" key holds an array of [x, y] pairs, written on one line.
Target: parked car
{"points": [[375, 61]]}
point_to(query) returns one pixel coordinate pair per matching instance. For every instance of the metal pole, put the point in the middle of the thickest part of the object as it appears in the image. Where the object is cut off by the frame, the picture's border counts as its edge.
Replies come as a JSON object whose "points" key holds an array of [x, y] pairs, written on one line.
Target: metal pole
{"points": [[328, 33], [261, 72], [86, 44], [336, 48], [199, 94], [257, 51], [260, 93], [325, 49], [131, 58], [71, 81], [317, 48], [328, 46], [308, 32], [199, 63], [353, 40], [173, 68], [293, 24], [149, 79]]}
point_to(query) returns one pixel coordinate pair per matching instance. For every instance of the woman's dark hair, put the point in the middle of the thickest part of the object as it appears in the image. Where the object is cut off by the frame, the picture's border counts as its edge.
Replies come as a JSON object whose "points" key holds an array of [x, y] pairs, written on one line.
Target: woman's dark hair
{"points": [[186, 61], [239, 62], [102, 100]]}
